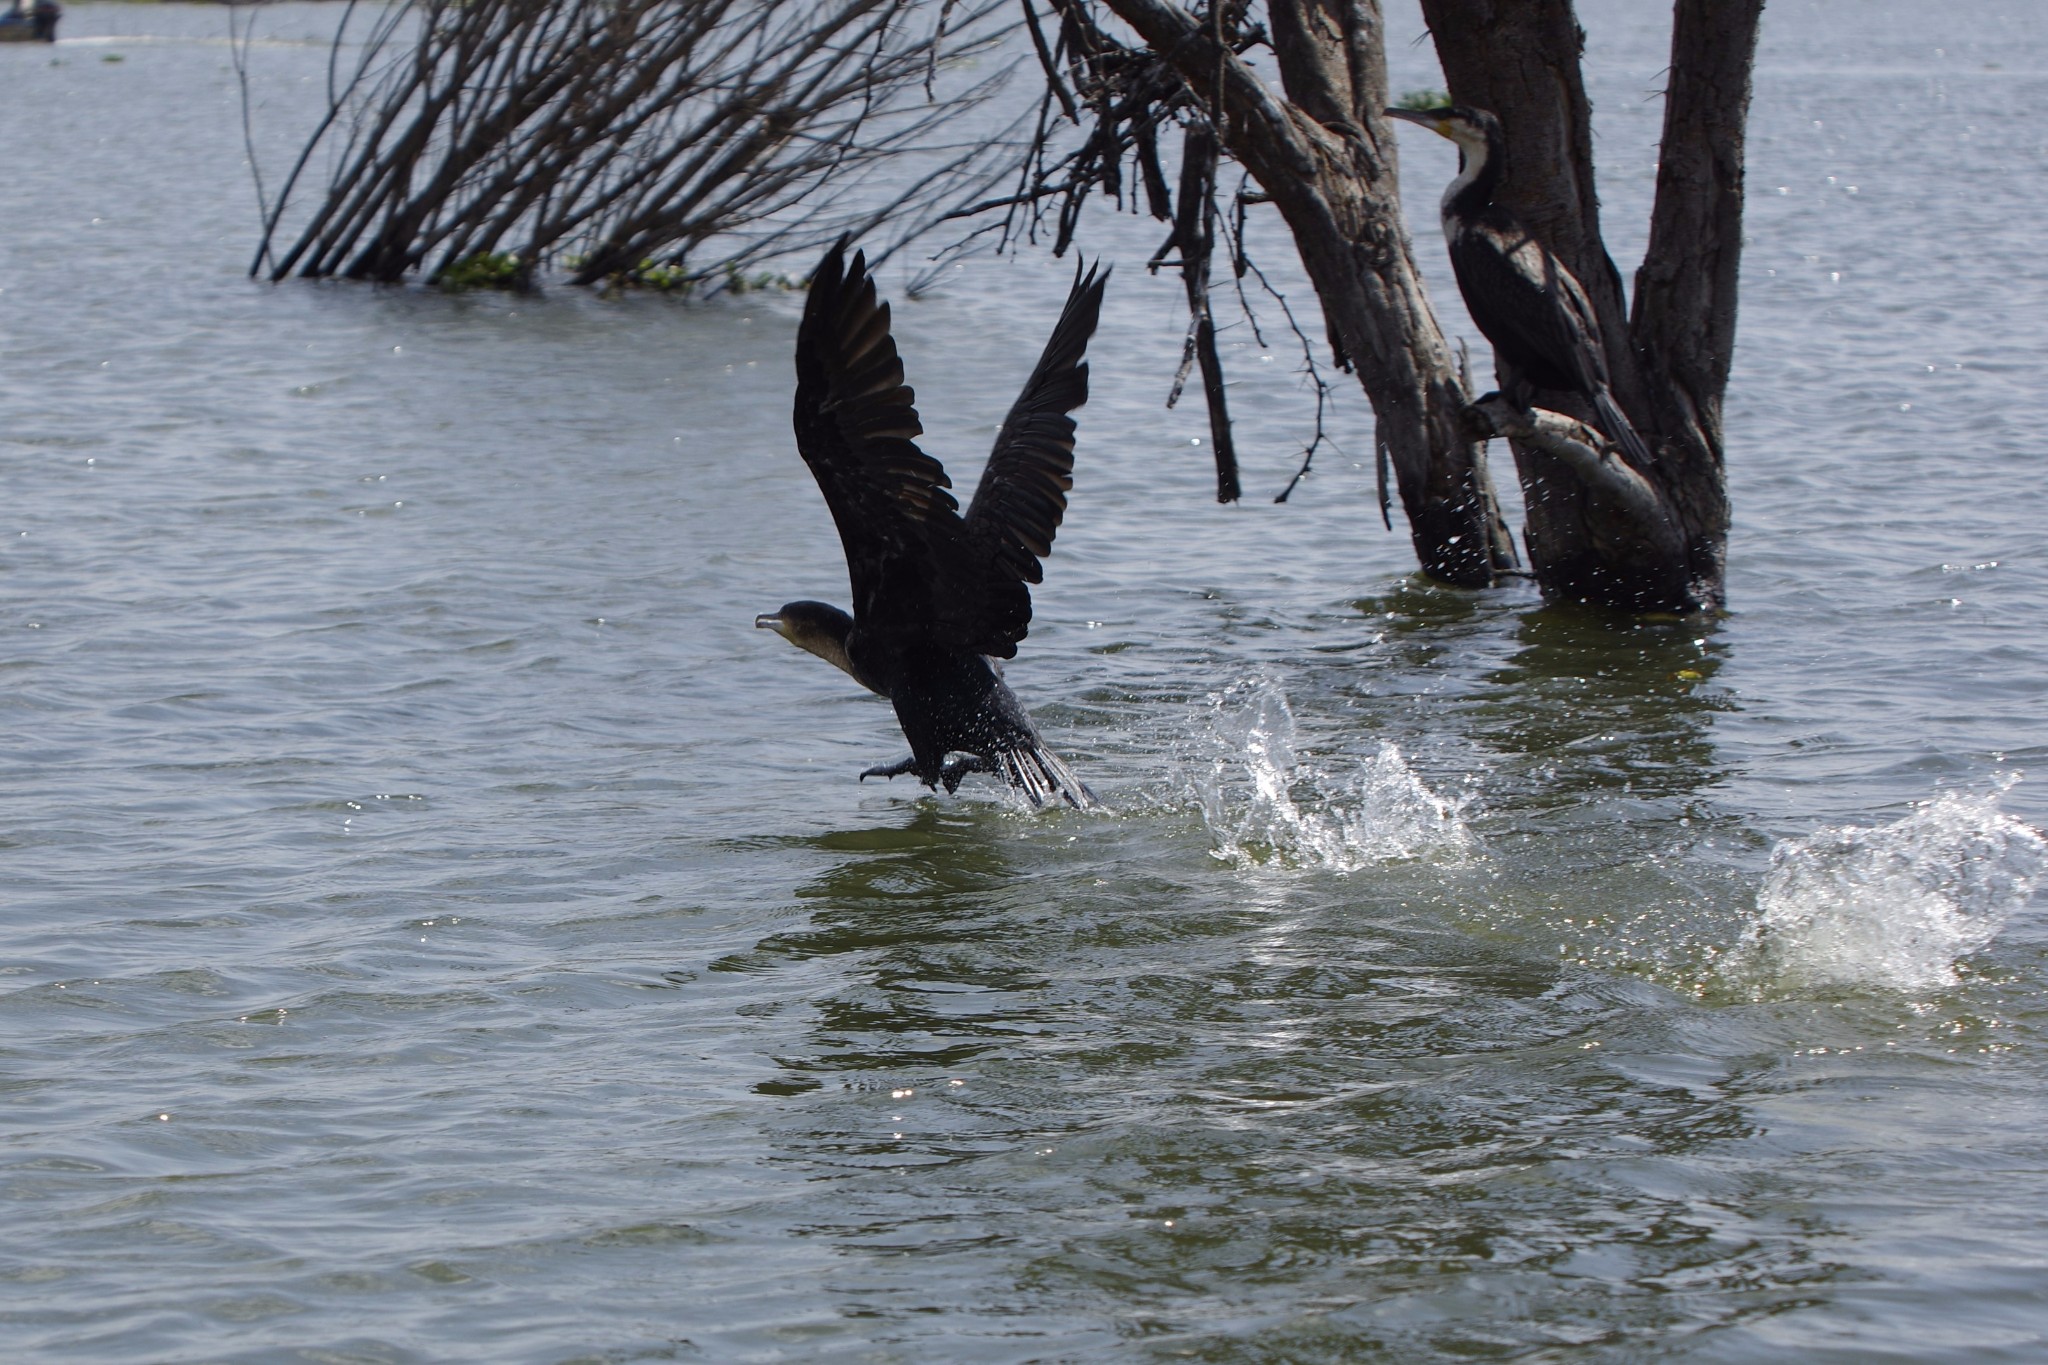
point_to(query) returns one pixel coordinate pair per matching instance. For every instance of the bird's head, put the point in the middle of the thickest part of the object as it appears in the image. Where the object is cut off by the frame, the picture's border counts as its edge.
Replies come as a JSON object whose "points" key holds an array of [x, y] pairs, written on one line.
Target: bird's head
{"points": [[814, 627], [1474, 130]]}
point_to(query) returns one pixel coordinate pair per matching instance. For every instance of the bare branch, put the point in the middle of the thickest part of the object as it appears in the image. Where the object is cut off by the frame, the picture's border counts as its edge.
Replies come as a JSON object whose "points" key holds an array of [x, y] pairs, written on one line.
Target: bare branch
{"points": [[636, 139], [1604, 474]]}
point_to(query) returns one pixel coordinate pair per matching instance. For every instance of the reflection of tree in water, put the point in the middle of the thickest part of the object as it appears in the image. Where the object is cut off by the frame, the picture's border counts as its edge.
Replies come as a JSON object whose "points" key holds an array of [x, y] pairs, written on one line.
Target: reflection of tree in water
{"points": [[1610, 701], [1603, 703], [1585, 743], [1599, 798]]}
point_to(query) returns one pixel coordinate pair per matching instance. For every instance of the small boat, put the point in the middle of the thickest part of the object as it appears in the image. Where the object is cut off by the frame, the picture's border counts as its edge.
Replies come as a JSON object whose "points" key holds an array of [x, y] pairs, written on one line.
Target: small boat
{"points": [[30, 23]]}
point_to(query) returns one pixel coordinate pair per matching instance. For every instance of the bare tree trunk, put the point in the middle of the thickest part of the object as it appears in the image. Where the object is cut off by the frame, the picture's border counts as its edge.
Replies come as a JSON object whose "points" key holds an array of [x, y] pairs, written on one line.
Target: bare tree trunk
{"points": [[1324, 156], [1651, 539]]}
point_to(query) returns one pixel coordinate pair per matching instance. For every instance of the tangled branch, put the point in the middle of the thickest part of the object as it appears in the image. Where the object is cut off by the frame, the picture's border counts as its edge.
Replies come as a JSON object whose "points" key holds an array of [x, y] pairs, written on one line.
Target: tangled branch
{"points": [[1122, 100], [674, 142]]}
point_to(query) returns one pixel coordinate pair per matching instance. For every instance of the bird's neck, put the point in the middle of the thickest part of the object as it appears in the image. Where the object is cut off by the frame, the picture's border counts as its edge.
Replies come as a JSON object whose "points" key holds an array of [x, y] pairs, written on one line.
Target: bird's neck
{"points": [[832, 649], [831, 639], [1479, 170]]}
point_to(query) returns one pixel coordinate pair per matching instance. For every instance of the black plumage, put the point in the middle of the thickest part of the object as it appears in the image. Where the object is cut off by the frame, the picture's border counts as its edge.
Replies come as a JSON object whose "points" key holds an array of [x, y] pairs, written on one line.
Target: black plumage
{"points": [[937, 596], [1536, 314]]}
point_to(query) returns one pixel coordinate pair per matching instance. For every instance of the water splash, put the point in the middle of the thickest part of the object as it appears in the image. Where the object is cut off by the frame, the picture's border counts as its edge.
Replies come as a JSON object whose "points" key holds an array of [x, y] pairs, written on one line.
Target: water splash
{"points": [[1894, 905], [1262, 803]]}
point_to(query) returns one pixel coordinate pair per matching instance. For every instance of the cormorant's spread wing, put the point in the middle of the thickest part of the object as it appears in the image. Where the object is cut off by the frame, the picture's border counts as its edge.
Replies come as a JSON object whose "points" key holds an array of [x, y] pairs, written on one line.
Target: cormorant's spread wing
{"points": [[1023, 492], [855, 419]]}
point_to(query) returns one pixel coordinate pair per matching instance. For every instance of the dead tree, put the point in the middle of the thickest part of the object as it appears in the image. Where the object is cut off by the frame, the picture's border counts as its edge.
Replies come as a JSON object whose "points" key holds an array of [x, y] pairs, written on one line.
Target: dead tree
{"points": [[1321, 154], [1599, 530], [670, 142], [1655, 538]]}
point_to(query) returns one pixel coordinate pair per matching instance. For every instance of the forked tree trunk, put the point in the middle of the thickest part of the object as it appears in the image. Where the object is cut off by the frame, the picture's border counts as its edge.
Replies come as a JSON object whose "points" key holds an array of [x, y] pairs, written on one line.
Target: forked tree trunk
{"points": [[1650, 539], [1324, 154], [1598, 529]]}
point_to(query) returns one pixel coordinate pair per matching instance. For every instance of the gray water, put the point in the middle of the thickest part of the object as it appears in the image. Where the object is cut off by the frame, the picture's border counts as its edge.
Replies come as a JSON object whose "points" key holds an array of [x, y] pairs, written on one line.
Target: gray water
{"points": [[438, 927]]}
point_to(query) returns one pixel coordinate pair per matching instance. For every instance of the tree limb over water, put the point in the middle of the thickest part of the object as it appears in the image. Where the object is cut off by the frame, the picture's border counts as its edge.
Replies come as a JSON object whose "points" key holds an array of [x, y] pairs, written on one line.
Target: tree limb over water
{"points": [[1322, 153]]}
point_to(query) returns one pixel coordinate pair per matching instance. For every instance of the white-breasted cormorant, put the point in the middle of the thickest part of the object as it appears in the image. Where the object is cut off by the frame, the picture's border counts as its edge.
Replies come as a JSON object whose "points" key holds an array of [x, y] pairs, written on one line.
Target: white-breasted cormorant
{"points": [[1542, 326], [937, 596]]}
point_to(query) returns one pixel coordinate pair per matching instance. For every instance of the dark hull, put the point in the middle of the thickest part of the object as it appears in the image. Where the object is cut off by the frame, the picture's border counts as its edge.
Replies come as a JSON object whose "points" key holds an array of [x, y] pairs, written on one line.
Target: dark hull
{"points": [[22, 28]]}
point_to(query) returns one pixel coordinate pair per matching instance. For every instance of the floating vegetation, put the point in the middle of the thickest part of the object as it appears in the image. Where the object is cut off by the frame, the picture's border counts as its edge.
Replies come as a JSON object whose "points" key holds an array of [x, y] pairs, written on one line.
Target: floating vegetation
{"points": [[668, 277], [485, 270], [739, 282], [659, 276]]}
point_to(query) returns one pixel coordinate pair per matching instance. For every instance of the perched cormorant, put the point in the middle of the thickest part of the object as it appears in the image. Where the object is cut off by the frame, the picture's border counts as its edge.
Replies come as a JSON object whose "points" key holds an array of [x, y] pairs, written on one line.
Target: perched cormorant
{"points": [[1541, 324], [937, 597]]}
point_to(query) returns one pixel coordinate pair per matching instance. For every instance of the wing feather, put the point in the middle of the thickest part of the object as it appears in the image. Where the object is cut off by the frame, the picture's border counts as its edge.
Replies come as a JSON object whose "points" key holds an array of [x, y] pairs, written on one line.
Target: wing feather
{"points": [[1022, 496], [856, 421], [1530, 307]]}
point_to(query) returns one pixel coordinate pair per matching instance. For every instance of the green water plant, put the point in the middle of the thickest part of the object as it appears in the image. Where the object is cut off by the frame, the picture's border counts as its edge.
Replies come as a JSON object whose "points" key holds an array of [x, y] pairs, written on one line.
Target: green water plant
{"points": [[738, 281], [484, 270], [1424, 98], [661, 276]]}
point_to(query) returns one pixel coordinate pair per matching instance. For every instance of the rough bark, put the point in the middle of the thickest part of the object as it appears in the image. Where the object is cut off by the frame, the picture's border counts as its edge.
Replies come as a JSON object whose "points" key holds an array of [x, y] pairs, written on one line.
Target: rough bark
{"points": [[1684, 320], [1597, 540], [1323, 154]]}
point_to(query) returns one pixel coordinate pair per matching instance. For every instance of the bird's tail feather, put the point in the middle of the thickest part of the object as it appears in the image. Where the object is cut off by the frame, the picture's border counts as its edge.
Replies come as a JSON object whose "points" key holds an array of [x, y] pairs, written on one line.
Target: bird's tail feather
{"points": [[1620, 430], [1042, 776]]}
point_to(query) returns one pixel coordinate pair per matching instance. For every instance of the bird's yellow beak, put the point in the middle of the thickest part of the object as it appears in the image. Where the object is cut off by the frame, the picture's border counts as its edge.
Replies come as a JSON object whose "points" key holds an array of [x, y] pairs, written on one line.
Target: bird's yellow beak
{"points": [[1428, 118]]}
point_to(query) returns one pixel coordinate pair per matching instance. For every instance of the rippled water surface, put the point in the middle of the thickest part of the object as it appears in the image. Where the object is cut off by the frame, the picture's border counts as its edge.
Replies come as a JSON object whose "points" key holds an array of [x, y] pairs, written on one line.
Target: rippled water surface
{"points": [[437, 926]]}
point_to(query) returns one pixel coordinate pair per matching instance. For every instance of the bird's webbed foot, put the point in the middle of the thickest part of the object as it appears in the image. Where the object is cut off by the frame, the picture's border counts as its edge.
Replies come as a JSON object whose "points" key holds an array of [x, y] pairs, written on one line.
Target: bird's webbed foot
{"points": [[896, 769], [960, 767]]}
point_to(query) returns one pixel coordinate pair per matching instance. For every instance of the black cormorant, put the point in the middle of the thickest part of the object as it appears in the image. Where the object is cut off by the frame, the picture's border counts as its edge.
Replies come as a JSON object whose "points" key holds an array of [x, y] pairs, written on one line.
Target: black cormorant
{"points": [[1537, 316], [937, 596]]}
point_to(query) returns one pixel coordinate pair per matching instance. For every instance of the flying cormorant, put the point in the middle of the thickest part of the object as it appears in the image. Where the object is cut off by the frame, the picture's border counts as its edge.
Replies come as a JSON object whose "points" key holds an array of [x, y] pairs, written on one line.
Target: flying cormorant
{"points": [[1537, 316], [937, 597]]}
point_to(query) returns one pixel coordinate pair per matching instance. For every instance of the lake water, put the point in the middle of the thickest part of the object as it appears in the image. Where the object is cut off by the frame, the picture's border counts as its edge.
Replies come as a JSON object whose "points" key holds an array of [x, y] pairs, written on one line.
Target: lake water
{"points": [[437, 926]]}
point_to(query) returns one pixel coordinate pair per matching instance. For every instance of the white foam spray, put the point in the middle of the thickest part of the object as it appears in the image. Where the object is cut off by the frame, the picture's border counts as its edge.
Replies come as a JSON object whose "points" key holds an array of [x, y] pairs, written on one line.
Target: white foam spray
{"points": [[1896, 905], [1262, 803]]}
